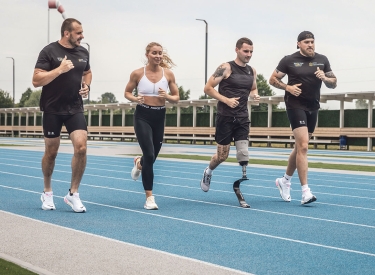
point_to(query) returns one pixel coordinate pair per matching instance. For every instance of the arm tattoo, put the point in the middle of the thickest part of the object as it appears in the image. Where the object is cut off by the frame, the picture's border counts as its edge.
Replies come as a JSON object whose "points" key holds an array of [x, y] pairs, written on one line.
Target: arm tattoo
{"points": [[332, 81], [219, 72], [330, 75], [279, 84]]}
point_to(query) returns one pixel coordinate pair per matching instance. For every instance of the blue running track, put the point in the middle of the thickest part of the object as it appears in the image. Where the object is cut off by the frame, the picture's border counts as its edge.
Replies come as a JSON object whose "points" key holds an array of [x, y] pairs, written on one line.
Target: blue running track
{"points": [[334, 235]]}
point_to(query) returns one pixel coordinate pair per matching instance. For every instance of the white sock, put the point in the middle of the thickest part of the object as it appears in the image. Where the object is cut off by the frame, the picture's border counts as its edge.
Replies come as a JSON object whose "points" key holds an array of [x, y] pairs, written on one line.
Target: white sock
{"points": [[209, 171], [304, 187], [286, 178], [48, 193]]}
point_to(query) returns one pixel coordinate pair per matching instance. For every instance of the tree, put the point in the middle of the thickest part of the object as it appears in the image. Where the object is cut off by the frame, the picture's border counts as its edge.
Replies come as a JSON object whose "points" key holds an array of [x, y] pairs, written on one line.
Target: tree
{"points": [[25, 97], [107, 98], [5, 100], [184, 95], [264, 89], [34, 99], [361, 104]]}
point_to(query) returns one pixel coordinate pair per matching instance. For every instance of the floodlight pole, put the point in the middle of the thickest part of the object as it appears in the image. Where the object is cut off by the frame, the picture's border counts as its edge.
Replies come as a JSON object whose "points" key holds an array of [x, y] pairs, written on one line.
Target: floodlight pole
{"points": [[14, 70], [205, 71]]}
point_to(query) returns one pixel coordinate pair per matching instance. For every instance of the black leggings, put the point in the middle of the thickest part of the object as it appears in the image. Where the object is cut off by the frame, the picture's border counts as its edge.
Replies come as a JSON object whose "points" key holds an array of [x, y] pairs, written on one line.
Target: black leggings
{"points": [[149, 129]]}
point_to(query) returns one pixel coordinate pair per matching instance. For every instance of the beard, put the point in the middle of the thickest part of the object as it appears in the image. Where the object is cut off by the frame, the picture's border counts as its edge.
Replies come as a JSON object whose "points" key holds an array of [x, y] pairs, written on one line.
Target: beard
{"points": [[309, 52], [73, 43]]}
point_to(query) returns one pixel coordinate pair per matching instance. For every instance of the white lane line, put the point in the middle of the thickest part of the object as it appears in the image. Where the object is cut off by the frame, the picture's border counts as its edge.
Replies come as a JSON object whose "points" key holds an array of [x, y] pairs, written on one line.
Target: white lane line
{"points": [[335, 178], [205, 202], [190, 179], [230, 229]]}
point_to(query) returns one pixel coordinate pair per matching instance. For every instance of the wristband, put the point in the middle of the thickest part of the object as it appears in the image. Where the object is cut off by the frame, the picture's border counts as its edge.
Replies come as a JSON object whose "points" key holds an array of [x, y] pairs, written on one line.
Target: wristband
{"points": [[88, 86]]}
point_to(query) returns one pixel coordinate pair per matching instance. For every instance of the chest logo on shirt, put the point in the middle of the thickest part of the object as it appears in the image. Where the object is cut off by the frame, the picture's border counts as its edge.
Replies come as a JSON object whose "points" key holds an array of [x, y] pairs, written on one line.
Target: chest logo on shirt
{"points": [[314, 64], [298, 64], [60, 58], [82, 60]]}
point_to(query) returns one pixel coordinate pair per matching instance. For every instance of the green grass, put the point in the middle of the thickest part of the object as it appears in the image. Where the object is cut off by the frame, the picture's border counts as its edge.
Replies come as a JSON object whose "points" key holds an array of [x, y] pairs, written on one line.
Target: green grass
{"points": [[334, 156], [10, 145], [13, 269], [362, 168]]}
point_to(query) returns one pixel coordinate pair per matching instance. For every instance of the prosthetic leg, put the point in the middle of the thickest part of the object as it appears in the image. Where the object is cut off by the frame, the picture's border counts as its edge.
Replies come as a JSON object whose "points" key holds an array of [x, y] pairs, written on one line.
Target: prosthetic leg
{"points": [[243, 159]]}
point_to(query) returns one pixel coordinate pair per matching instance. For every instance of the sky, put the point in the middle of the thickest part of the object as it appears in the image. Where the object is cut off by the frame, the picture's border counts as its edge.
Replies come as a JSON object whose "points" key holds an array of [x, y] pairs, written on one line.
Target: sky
{"points": [[118, 32]]}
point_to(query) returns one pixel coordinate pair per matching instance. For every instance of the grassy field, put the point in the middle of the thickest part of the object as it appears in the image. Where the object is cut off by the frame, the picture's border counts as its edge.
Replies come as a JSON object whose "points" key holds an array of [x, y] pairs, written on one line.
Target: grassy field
{"points": [[351, 167], [9, 268]]}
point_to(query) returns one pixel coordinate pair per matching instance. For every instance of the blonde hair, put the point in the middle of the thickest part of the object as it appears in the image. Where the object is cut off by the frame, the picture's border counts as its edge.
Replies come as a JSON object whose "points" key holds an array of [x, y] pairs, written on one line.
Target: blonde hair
{"points": [[166, 61]]}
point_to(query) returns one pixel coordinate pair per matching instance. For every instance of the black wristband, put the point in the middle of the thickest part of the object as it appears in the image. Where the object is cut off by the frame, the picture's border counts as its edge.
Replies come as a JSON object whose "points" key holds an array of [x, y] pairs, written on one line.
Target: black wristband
{"points": [[88, 86]]}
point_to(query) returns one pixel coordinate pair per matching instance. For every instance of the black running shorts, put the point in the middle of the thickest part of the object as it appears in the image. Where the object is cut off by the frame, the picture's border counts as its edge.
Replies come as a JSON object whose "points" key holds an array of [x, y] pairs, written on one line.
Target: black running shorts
{"points": [[230, 129], [52, 124], [301, 118]]}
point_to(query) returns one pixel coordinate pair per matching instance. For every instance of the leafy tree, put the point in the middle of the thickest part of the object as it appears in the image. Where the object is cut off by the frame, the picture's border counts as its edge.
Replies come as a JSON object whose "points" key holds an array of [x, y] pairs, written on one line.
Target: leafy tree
{"points": [[264, 89], [361, 104], [5, 100], [184, 95], [34, 99], [25, 97], [107, 98], [86, 101]]}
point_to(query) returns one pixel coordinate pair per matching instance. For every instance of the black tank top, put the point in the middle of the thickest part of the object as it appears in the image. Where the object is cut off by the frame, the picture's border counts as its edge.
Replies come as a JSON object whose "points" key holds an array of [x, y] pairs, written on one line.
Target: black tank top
{"points": [[238, 84]]}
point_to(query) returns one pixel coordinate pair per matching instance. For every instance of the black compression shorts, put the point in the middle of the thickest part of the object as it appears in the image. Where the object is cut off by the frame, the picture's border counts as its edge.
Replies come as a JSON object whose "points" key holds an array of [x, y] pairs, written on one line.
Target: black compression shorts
{"points": [[52, 124], [230, 129], [301, 118]]}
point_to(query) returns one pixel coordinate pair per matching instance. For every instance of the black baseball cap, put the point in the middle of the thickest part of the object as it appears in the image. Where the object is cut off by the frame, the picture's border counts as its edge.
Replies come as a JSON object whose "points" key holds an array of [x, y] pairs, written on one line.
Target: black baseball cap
{"points": [[304, 35]]}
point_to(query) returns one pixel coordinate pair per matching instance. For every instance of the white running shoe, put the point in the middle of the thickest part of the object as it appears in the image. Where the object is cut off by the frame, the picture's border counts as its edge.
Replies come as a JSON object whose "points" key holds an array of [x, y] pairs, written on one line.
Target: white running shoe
{"points": [[307, 197], [206, 181], [284, 189], [75, 202], [135, 171], [47, 200], [150, 203]]}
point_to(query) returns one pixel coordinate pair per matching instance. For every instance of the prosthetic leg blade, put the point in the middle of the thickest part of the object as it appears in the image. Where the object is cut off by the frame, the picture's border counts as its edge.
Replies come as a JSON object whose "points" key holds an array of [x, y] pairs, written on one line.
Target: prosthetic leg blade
{"points": [[237, 191]]}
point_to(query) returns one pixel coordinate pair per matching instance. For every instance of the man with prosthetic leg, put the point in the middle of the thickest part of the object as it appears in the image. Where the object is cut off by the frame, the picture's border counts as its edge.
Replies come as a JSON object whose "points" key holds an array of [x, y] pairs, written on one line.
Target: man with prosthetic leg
{"points": [[237, 82], [243, 159]]}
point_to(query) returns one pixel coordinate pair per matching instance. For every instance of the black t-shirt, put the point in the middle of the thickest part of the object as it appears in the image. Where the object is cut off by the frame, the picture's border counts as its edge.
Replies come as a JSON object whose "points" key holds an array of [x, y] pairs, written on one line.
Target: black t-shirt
{"points": [[238, 84], [61, 96], [301, 69]]}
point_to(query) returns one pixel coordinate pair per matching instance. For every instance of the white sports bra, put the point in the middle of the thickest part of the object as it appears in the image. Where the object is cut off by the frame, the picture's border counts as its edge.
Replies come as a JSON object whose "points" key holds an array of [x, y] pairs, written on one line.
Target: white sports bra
{"points": [[147, 88]]}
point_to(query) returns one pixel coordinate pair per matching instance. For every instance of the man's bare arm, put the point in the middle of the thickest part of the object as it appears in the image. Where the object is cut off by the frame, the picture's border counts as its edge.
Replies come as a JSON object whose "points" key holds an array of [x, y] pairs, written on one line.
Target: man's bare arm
{"points": [[331, 80], [219, 71], [42, 77], [275, 80]]}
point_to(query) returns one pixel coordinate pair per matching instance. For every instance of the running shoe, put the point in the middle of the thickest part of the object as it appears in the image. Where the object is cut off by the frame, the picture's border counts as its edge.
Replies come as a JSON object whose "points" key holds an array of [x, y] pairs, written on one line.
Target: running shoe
{"points": [[206, 181], [135, 171], [75, 202], [307, 197], [150, 203], [284, 189], [47, 201]]}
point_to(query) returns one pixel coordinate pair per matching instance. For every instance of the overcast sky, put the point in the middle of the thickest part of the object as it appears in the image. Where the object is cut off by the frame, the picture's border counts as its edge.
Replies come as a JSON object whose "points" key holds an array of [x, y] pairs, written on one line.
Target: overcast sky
{"points": [[119, 30]]}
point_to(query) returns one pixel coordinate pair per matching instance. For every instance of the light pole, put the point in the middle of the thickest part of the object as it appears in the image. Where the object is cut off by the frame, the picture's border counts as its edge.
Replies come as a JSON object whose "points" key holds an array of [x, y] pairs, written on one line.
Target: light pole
{"points": [[205, 66], [205, 71], [55, 4], [14, 69], [88, 49]]}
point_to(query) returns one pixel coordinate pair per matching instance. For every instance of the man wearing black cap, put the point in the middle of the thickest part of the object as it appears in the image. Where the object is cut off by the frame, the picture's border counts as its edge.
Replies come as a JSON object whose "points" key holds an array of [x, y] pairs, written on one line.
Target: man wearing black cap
{"points": [[306, 71]]}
